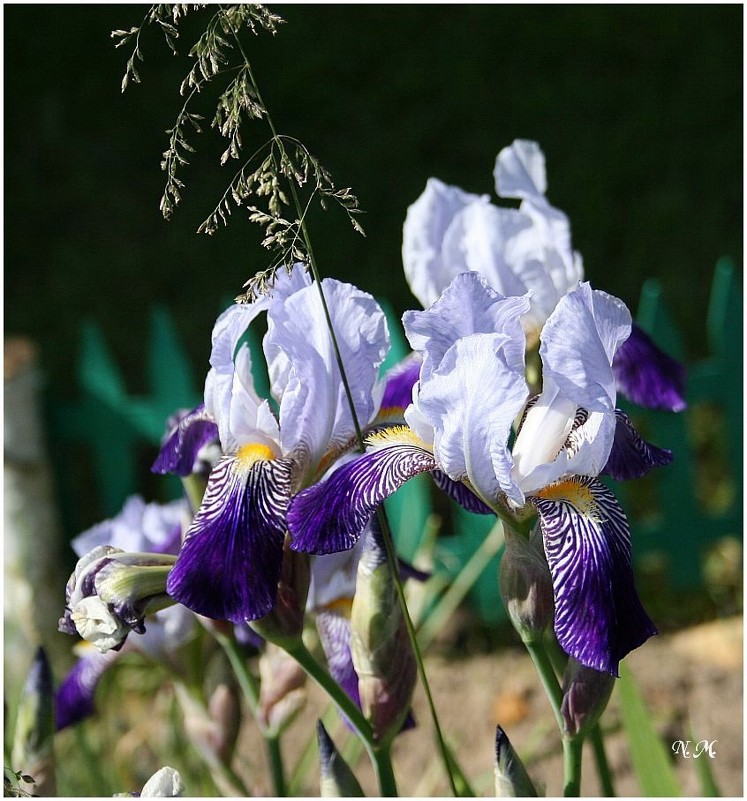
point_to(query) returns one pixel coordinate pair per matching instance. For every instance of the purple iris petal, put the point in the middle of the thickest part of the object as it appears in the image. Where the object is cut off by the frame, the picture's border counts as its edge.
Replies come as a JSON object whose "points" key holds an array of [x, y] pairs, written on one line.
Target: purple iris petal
{"points": [[459, 493], [229, 565], [331, 515], [648, 376], [631, 456], [598, 615], [399, 383], [74, 700], [334, 634], [179, 452]]}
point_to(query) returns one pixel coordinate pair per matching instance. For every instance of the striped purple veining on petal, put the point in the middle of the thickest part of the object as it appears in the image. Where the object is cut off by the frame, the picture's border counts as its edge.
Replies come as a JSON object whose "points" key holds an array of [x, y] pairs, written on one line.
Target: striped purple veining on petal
{"points": [[598, 615], [331, 515], [229, 564]]}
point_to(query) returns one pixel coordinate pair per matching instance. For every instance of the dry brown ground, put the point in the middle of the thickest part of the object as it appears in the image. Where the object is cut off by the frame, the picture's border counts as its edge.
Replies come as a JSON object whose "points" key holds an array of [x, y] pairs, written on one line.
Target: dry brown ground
{"points": [[689, 679]]}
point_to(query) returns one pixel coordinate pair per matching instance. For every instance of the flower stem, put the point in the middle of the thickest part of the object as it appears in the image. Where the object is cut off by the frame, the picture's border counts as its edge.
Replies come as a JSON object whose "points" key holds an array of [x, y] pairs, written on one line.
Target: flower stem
{"points": [[250, 689], [378, 752], [596, 738], [572, 746]]}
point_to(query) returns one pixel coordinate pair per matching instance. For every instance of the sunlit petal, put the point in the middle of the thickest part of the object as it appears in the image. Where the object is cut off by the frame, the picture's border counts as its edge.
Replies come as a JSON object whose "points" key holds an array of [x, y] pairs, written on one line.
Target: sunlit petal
{"points": [[471, 401], [304, 374], [467, 306], [427, 220], [331, 515], [598, 615], [229, 565], [579, 341]]}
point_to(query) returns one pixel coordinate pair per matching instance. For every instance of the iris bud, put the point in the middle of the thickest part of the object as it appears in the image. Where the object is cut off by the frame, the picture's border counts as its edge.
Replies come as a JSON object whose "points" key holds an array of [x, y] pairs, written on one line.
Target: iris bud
{"points": [[110, 593], [282, 693], [380, 646], [585, 696], [526, 584], [164, 783], [337, 779], [511, 777]]}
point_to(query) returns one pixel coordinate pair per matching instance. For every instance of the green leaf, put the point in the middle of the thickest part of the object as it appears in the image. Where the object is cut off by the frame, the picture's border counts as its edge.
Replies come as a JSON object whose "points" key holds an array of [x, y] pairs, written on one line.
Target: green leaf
{"points": [[647, 752], [708, 786]]}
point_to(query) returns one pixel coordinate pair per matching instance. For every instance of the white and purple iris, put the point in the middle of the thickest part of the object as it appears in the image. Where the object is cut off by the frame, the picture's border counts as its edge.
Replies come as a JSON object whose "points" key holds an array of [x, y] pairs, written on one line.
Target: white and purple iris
{"points": [[448, 231], [472, 389], [230, 562]]}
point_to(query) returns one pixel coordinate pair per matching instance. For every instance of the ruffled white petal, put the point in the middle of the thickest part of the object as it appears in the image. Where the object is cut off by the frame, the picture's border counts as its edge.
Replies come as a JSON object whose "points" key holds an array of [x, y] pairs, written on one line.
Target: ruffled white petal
{"points": [[520, 170], [579, 341], [471, 401], [314, 410], [467, 306], [426, 271]]}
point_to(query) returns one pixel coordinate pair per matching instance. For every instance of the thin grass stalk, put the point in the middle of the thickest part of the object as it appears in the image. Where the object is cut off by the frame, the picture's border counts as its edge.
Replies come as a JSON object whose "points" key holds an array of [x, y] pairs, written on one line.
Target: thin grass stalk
{"points": [[391, 557]]}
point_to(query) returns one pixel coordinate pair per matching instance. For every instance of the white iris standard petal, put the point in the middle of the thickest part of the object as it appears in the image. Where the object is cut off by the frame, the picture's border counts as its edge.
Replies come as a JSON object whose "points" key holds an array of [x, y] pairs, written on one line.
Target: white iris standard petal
{"points": [[520, 170], [250, 418], [467, 306], [579, 341], [425, 226], [314, 409], [471, 402]]}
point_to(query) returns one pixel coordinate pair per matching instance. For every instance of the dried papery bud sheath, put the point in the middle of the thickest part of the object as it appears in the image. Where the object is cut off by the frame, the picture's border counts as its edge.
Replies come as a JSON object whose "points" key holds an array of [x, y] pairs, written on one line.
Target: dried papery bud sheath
{"points": [[110, 593], [526, 584], [33, 753], [284, 623], [511, 777], [336, 778], [282, 689], [586, 693], [380, 646]]}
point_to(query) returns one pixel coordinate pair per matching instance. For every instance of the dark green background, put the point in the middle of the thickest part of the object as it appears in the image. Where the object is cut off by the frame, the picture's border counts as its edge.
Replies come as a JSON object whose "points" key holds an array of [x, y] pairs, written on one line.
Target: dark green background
{"points": [[638, 110]]}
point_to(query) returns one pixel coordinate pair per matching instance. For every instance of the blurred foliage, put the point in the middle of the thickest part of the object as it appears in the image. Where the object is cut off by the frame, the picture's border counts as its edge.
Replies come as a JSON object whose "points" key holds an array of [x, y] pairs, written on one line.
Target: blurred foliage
{"points": [[638, 110]]}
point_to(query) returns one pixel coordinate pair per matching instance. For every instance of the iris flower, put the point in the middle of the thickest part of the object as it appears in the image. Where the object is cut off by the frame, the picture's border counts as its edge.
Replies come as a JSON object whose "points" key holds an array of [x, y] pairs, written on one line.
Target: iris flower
{"points": [[230, 562], [472, 388], [448, 231]]}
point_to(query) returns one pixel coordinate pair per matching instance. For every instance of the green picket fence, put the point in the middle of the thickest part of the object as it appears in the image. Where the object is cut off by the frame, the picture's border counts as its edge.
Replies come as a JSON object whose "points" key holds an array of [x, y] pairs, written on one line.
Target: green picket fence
{"points": [[675, 513]]}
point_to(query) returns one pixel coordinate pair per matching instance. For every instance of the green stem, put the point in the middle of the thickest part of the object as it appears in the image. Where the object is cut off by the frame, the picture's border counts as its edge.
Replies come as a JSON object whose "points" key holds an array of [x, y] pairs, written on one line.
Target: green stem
{"points": [[600, 757], [382, 762], [572, 752], [378, 752], [250, 689], [572, 746]]}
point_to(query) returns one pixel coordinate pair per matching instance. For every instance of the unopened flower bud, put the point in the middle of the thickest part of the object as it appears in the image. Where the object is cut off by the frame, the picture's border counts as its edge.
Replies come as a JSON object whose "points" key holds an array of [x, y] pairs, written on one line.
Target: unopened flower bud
{"points": [[284, 624], [164, 783], [526, 584], [110, 593], [337, 779], [380, 646], [511, 777], [585, 696], [32, 746], [282, 693]]}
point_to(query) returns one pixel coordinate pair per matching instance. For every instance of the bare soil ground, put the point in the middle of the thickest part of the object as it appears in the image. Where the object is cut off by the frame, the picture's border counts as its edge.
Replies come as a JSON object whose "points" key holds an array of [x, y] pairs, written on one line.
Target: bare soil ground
{"points": [[691, 681]]}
